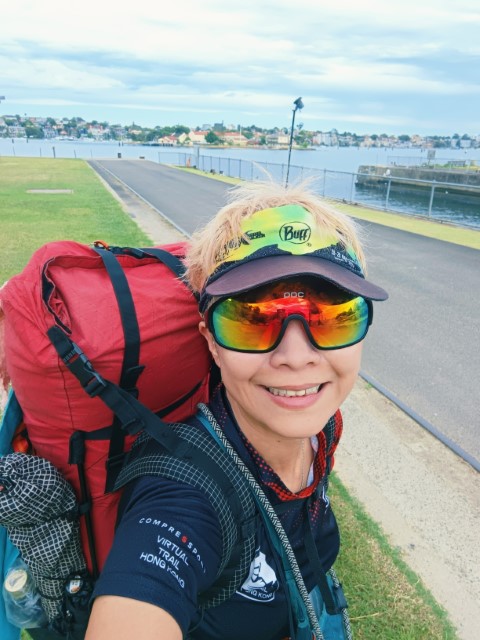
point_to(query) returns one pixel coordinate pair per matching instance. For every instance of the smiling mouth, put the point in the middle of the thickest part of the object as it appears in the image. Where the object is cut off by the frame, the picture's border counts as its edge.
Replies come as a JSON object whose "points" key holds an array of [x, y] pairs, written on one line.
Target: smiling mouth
{"points": [[290, 393]]}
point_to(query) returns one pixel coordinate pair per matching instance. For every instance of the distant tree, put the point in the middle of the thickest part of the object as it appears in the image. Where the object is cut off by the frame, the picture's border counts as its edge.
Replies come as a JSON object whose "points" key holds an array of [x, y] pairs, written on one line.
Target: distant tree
{"points": [[51, 122], [404, 138], [248, 134], [178, 129], [212, 138], [263, 140], [439, 143], [31, 131]]}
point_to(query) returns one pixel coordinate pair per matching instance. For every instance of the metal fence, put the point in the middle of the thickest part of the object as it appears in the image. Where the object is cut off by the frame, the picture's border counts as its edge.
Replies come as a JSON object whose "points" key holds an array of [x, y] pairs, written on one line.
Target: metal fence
{"points": [[443, 201]]}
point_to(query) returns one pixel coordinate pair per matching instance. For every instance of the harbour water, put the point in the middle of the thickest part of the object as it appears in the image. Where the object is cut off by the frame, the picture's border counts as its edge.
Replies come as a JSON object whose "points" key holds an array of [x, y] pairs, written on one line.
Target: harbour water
{"points": [[334, 170]]}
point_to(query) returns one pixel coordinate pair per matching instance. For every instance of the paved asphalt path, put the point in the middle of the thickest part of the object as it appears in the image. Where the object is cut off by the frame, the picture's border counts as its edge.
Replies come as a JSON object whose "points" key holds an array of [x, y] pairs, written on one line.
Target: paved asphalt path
{"points": [[424, 344]]}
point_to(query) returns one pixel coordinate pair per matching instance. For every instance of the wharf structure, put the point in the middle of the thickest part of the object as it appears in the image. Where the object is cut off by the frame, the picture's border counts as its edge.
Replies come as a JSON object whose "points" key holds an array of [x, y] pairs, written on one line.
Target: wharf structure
{"points": [[459, 180]]}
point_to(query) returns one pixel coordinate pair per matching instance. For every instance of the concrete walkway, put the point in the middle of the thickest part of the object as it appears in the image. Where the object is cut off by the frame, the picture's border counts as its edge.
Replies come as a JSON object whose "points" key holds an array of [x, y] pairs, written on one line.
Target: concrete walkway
{"points": [[424, 497]]}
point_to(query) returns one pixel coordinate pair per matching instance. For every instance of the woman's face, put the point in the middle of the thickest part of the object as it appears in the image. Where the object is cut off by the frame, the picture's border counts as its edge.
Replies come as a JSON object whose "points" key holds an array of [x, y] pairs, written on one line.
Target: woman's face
{"points": [[290, 392]]}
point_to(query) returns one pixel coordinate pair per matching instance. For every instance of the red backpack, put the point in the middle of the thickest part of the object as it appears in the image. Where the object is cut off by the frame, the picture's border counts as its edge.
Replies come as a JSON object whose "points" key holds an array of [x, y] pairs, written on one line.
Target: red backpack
{"points": [[124, 314]]}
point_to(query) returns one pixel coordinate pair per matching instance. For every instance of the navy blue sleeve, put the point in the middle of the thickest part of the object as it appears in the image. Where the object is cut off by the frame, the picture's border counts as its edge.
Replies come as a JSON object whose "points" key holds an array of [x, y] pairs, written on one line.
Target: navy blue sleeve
{"points": [[167, 548]]}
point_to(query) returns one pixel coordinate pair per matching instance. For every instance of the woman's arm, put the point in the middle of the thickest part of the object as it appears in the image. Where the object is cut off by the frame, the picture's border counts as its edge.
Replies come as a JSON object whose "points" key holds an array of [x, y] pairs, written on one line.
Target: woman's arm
{"points": [[117, 618]]}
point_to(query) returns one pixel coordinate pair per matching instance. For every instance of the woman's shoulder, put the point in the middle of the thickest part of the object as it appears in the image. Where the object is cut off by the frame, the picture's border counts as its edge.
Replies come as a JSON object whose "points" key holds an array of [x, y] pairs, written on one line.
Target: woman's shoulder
{"points": [[159, 492]]}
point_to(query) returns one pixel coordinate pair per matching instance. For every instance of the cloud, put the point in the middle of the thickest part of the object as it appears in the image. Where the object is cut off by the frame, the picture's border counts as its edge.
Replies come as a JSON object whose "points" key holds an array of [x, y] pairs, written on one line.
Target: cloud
{"points": [[248, 60]]}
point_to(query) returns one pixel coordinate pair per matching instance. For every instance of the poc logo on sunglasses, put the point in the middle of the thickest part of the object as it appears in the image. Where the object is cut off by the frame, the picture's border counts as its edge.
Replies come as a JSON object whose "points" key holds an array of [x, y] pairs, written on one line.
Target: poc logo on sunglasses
{"points": [[296, 232], [293, 294]]}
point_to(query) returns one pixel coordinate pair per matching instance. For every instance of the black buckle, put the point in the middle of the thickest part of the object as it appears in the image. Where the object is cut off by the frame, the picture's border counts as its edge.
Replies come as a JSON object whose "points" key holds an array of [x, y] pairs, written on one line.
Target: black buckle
{"points": [[95, 383], [95, 386], [339, 597]]}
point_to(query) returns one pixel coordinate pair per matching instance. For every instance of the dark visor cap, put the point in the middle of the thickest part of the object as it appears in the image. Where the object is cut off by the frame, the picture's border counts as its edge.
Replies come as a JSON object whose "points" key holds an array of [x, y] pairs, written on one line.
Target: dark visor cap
{"points": [[246, 276]]}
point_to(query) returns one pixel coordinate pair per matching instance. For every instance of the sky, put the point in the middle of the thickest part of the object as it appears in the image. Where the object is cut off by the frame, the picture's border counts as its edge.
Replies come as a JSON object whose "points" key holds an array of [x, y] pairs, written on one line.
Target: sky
{"points": [[364, 66]]}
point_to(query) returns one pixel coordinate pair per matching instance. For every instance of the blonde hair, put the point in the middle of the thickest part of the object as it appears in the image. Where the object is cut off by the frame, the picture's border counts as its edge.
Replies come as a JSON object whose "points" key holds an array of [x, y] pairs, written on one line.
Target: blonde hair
{"points": [[243, 201]]}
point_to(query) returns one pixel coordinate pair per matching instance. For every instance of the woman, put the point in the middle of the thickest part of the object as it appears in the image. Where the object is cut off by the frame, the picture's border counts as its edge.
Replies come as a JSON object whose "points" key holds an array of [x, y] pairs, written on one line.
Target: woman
{"points": [[285, 307]]}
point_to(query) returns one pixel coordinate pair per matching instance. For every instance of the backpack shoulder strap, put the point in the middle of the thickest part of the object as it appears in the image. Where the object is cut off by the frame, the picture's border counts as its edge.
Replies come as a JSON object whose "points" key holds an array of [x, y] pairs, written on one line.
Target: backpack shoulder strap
{"points": [[298, 599]]}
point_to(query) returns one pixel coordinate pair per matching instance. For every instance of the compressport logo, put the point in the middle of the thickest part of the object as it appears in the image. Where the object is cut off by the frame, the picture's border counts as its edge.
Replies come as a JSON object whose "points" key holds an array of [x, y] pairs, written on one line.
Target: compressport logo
{"points": [[296, 232]]}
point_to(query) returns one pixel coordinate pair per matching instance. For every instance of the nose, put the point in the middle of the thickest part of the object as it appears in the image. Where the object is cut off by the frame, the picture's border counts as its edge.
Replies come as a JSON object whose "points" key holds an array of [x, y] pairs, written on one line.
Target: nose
{"points": [[295, 348]]}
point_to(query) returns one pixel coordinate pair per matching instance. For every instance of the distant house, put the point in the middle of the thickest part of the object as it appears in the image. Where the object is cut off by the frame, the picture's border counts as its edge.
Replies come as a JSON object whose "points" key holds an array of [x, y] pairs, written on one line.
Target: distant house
{"points": [[277, 139], [234, 138], [323, 138], [16, 131], [184, 138], [167, 141], [255, 141], [197, 137], [49, 132], [96, 130]]}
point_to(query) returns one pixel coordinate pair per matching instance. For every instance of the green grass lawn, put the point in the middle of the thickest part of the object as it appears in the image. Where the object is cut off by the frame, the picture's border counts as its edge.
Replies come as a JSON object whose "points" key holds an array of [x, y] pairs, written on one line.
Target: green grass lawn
{"points": [[387, 600], [29, 220]]}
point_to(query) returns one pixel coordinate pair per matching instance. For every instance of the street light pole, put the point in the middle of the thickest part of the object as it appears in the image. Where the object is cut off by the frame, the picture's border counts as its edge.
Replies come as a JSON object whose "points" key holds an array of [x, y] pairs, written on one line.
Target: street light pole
{"points": [[298, 105]]}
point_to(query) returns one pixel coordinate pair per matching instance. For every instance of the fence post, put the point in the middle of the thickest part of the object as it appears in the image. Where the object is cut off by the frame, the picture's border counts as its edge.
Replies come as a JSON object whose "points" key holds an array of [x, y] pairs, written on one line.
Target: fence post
{"points": [[431, 200], [388, 193], [324, 181], [351, 187]]}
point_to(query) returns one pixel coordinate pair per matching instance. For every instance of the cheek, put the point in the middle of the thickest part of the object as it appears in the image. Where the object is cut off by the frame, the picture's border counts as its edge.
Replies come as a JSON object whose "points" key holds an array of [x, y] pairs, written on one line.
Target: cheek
{"points": [[346, 362], [237, 368]]}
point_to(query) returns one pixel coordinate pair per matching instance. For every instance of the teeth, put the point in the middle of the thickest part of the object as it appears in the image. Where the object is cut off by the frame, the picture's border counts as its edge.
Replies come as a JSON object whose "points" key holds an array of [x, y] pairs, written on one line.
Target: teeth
{"points": [[293, 394]]}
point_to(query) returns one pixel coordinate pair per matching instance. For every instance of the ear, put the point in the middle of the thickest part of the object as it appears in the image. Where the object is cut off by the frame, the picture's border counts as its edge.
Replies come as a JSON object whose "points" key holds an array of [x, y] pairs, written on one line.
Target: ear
{"points": [[212, 345]]}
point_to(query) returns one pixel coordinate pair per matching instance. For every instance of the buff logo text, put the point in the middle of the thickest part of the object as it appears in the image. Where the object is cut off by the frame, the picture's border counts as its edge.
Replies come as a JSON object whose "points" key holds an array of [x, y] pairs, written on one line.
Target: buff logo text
{"points": [[296, 232]]}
